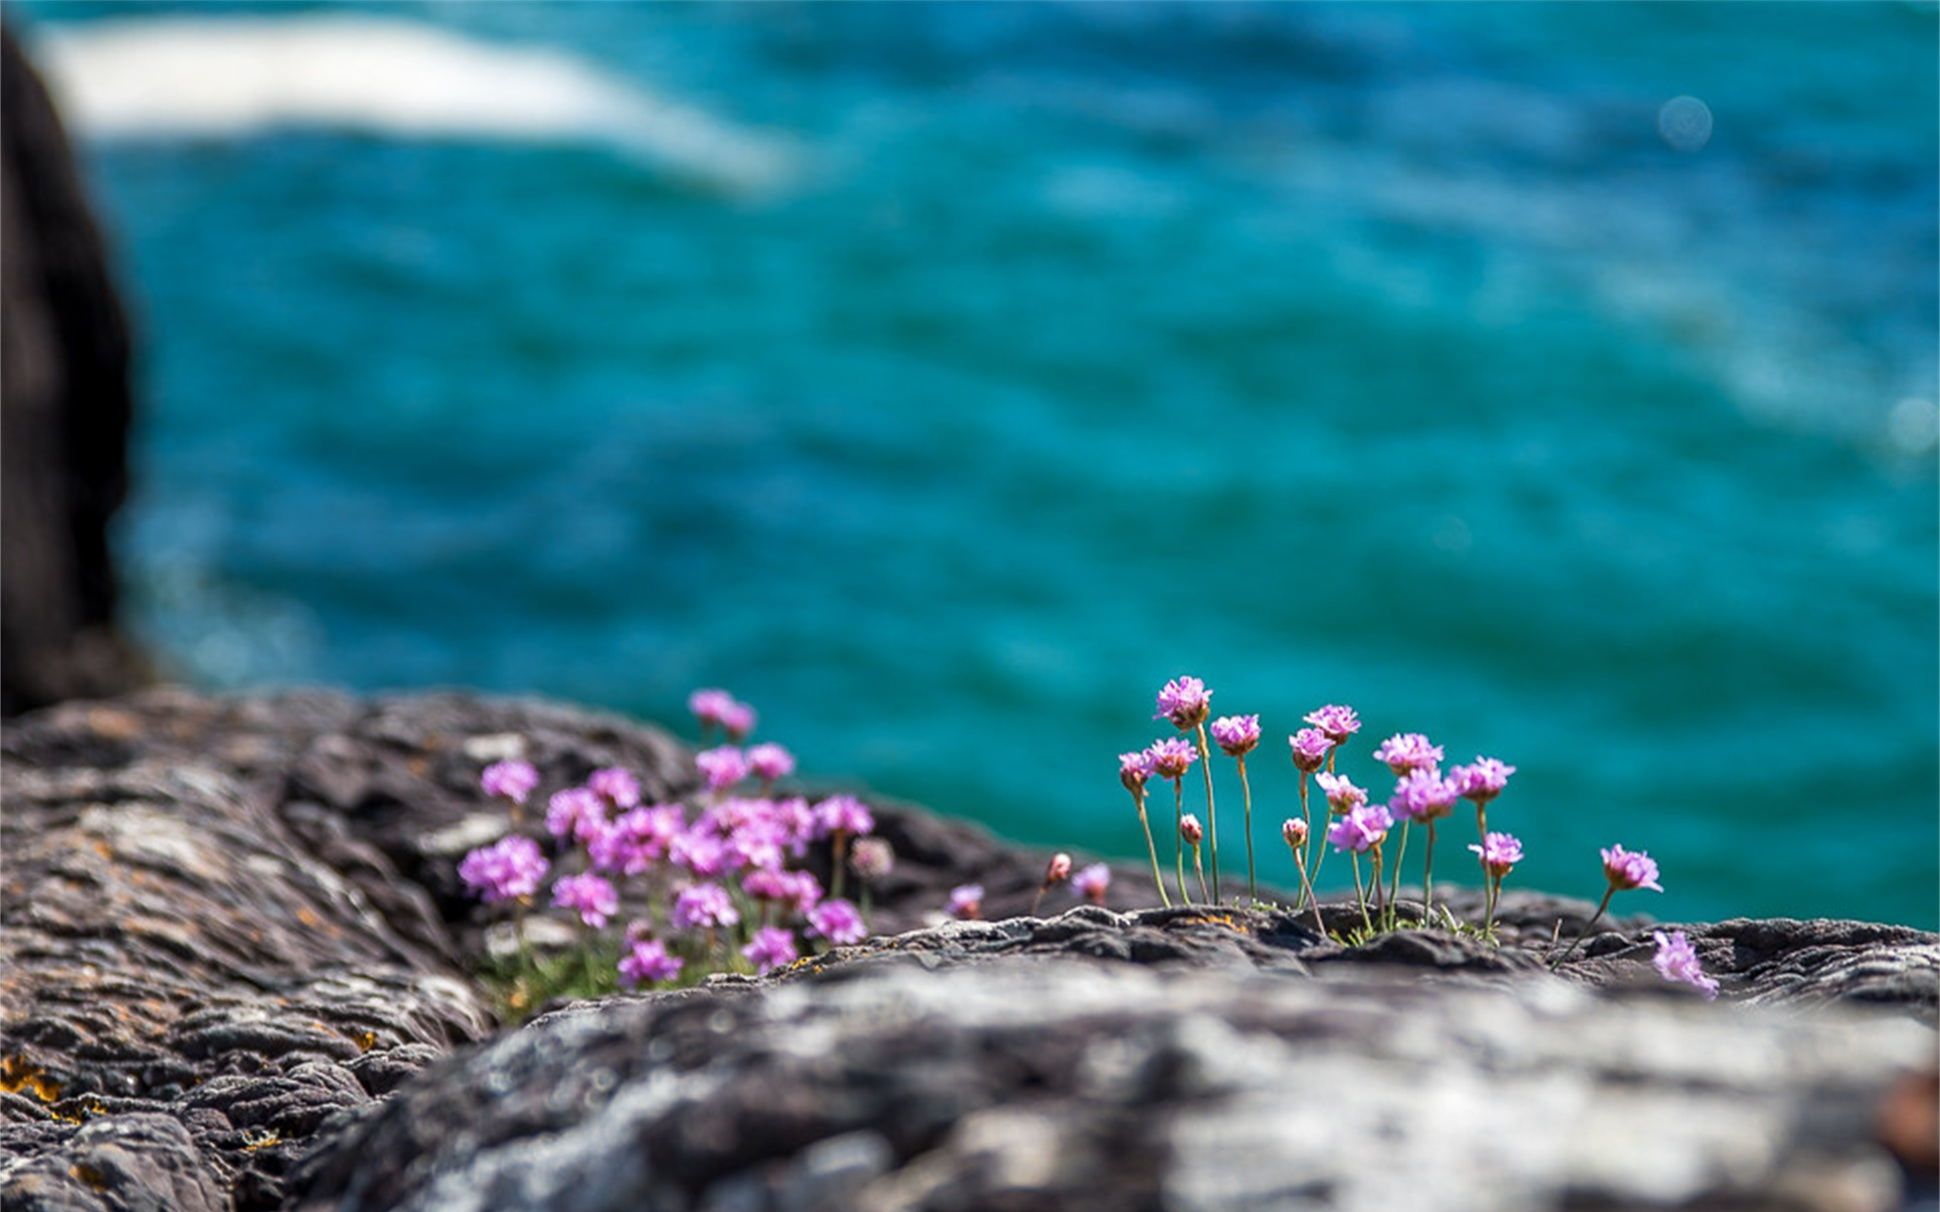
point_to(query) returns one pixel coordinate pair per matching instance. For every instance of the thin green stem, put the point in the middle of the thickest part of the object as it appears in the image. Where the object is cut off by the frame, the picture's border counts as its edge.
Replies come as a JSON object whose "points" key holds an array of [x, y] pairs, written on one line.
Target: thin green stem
{"points": [[1178, 836], [1495, 893], [1360, 892], [1394, 876], [1246, 794], [839, 850], [1151, 847], [1384, 908], [1587, 926], [1316, 838], [1428, 877], [1212, 813], [1306, 886], [1200, 868]]}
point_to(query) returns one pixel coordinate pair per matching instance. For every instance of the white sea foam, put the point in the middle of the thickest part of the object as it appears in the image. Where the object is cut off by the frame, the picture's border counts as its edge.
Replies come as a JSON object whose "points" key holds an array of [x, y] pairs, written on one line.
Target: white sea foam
{"points": [[228, 76]]}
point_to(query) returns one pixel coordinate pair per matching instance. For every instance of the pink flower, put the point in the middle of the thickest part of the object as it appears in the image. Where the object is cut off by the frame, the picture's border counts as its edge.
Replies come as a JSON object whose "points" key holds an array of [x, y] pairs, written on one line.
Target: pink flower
{"points": [[616, 786], [576, 813], [1627, 869], [738, 718], [646, 962], [700, 852], [1191, 830], [1184, 701], [871, 858], [1677, 960], [1361, 830], [772, 948], [837, 921], [636, 839], [1336, 721], [1172, 757], [1498, 853], [506, 870], [1294, 831], [843, 814], [1310, 748], [770, 762], [1482, 780], [1422, 795], [966, 902], [1405, 751], [1237, 734], [722, 767], [755, 843], [512, 781], [1342, 795], [710, 707], [1091, 883], [593, 898], [1058, 870], [703, 907], [1134, 768], [796, 889]]}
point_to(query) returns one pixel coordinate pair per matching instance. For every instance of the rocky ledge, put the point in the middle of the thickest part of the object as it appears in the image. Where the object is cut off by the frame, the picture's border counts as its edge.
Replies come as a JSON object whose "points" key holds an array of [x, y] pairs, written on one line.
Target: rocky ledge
{"points": [[236, 975]]}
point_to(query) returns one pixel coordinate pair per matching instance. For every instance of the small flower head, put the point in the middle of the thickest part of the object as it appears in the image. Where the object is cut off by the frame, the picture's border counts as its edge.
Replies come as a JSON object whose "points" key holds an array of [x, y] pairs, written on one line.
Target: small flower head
{"points": [[1627, 869], [722, 767], [770, 762], [590, 896], [837, 921], [872, 857], [1293, 831], [646, 962], [710, 706], [1362, 829], [1091, 883], [1498, 853], [1191, 830], [1184, 701], [1336, 721], [1237, 734], [1481, 780], [1677, 960], [1342, 795], [1310, 747], [1134, 768], [1172, 757], [1058, 869], [1405, 751], [771, 948], [575, 813], [738, 719], [700, 851], [616, 786], [1422, 795], [506, 870], [704, 907], [843, 814], [966, 902], [511, 781]]}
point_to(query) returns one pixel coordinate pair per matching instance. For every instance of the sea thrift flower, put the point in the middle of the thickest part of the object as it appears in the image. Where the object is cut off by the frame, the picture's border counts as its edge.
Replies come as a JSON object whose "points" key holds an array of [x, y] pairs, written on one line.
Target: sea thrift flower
{"points": [[710, 707], [1361, 829], [576, 813], [1627, 869], [770, 762], [796, 820], [722, 767], [512, 781], [1405, 751], [1059, 868], [1423, 795], [872, 858], [646, 962], [1134, 769], [1499, 854], [797, 890], [966, 902], [837, 921], [1091, 883], [1336, 721], [1677, 960], [1294, 832], [508, 869], [1237, 734], [738, 719], [700, 852], [590, 896], [1310, 748], [616, 786], [1482, 780], [843, 814], [1342, 795], [1191, 830], [1184, 701], [772, 948], [1172, 757], [756, 843], [704, 907]]}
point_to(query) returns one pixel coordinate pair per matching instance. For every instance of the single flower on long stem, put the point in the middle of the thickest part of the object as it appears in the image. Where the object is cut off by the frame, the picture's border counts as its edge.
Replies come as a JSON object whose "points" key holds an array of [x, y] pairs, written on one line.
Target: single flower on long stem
{"points": [[1171, 758], [1423, 795], [1498, 854], [1295, 833], [1622, 871], [1479, 782], [1186, 702], [1310, 748], [1362, 829], [1238, 735], [1056, 872], [1133, 770], [1193, 832]]}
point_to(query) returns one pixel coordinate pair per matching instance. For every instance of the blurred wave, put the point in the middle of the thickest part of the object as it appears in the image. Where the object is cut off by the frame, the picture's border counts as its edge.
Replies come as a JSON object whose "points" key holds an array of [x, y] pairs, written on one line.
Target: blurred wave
{"points": [[228, 76]]}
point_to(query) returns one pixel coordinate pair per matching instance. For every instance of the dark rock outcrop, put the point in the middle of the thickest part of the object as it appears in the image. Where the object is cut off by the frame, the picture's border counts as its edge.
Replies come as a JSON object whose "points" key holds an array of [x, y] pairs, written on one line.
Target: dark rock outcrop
{"points": [[65, 407]]}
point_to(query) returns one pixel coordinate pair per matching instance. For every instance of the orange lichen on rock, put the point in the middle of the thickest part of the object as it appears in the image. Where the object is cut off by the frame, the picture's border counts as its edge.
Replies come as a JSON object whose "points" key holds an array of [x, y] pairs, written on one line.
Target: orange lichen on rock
{"points": [[18, 1074]]}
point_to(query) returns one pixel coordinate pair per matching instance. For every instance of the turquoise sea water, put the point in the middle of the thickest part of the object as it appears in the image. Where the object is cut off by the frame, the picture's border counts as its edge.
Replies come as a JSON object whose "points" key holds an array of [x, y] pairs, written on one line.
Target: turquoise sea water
{"points": [[999, 362]]}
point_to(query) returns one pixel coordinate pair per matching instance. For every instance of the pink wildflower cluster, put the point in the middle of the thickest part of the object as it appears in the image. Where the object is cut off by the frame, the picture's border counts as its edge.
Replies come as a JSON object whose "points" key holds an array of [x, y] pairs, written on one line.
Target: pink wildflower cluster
{"points": [[712, 882]]}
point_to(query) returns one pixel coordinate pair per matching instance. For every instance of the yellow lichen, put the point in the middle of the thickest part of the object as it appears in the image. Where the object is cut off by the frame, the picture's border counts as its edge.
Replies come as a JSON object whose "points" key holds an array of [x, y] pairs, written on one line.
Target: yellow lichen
{"points": [[87, 1175], [17, 1073], [267, 1140], [366, 1040]]}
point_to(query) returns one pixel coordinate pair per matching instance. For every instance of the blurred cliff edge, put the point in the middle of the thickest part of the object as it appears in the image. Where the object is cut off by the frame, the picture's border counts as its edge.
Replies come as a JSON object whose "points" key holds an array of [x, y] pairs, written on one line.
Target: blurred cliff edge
{"points": [[65, 408]]}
